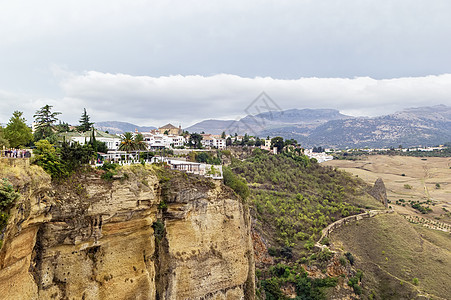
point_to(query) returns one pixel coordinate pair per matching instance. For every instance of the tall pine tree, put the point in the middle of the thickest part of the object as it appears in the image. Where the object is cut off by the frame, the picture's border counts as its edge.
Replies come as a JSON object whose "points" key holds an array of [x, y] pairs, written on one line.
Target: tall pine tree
{"points": [[85, 125], [44, 119]]}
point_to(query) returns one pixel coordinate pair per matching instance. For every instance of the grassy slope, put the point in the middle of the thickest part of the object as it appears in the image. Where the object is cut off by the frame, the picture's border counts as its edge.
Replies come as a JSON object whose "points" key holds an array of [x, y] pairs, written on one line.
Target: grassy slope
{"points": [[292, 201], [390, 250]]}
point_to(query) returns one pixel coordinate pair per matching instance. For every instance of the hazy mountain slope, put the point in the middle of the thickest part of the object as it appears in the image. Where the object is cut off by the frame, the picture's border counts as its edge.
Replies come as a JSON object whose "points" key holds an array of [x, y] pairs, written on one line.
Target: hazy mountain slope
{"points": [[411, 127], [303, 120], [330, 128], [211, 126], [120, 127]]}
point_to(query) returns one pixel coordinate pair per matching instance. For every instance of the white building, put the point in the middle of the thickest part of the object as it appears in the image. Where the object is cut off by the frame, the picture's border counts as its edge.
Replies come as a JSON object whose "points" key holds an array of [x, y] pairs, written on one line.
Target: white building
{"points": [[159, 141], [112, 141], [209, 140]]}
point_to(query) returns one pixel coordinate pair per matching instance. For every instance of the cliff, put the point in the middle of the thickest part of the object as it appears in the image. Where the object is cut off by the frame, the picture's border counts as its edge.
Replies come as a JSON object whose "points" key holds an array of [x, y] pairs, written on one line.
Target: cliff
{"points": [[149, 235]]}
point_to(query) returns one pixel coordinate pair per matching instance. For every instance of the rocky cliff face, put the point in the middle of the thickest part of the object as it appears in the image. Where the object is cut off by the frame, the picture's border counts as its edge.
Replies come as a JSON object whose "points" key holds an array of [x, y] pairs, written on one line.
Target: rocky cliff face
{"points": [[140, 237]]}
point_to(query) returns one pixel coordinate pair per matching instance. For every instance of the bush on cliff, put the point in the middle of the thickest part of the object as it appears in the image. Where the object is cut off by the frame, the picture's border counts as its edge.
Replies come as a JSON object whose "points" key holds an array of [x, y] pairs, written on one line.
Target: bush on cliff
{"points": [[235, 182], [61, 162], [7, 198]]}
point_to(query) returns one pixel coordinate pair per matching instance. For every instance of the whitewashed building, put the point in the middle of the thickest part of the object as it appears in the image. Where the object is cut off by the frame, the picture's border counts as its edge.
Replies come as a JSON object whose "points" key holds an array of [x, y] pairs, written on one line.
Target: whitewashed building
{"points": [[112, 141]]}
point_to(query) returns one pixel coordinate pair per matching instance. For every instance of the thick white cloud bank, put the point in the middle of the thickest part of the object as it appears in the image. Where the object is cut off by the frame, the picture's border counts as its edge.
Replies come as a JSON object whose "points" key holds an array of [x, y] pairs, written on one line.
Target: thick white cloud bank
{"points": [[146, 100]]}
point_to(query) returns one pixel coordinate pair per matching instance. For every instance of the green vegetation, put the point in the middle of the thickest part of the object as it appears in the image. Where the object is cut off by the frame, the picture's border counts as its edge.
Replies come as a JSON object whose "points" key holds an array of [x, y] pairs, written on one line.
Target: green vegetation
{"points": [[110, 170], [8, 196], [85, 124], [206, 157], [62, 162], [45, 120], [17, 132], [3, 141], [132, 143], [354, 282], [411, 250], [195, 140], [294, 197], [235, 182], [306, 288]]}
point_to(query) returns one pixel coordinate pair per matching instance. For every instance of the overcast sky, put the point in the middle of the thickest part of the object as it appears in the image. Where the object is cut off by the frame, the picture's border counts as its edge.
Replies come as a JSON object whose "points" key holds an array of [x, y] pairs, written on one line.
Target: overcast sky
{"points": [[152, 62]]}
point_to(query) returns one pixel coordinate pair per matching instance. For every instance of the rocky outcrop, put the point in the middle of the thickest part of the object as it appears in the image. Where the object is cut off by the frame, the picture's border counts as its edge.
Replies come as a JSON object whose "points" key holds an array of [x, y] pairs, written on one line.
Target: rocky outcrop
{"points": [[140, 237], [379, 192]]}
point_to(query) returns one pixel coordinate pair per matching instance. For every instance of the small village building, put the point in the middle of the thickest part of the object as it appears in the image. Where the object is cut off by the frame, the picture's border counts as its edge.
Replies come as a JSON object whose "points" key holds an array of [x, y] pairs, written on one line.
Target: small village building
{"points": [[170, 129], [212, 141], [112, 141]]}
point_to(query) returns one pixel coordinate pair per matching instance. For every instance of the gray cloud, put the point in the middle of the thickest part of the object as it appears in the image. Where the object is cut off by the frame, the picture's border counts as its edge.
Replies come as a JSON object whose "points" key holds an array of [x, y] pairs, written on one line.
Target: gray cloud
{"points": [[151, 41], [149, 100]]}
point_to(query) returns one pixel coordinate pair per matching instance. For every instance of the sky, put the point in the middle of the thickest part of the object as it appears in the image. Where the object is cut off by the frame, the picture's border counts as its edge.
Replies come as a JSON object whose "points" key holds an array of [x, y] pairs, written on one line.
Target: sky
{"points": [[153, 62]]}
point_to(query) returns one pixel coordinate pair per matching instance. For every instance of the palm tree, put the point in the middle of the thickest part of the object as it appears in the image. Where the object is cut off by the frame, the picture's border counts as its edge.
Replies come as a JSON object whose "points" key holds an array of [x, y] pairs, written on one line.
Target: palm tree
{"points": [[130, 143], [139, 142], [127, 142]]}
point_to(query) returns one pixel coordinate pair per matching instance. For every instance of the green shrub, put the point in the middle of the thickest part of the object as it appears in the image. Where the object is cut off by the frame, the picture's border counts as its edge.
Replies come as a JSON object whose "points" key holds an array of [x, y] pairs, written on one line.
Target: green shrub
{"points": [[8, 196], [415, 281], [236, 183], [343, 261], [350, 257]]}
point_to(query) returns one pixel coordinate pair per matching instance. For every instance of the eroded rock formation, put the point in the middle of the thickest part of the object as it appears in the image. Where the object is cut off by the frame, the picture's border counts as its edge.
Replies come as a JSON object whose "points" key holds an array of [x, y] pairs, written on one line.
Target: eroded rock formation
{"points": [[379, 192], [140, 237]]}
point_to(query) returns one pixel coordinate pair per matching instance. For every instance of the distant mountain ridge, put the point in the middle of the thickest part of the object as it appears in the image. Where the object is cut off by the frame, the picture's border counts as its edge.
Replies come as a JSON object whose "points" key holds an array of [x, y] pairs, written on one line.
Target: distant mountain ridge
{"points": [[329, 128], [114, 127]]}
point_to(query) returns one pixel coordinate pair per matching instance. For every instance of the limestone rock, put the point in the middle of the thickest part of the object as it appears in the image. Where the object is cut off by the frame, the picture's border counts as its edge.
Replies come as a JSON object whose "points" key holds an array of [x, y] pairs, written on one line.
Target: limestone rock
{"points": [[91, 239], [379, 192]]}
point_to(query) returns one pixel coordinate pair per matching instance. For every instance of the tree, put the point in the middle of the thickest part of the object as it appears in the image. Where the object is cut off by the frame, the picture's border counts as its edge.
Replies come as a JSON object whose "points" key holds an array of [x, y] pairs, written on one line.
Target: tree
{"points": [[85, 125], [278, 143], [3, 141], [127, 142], [195, 140], [62, 127], [223, 135], [44, 119], [139, 142], [258, 142], [17, 132]]}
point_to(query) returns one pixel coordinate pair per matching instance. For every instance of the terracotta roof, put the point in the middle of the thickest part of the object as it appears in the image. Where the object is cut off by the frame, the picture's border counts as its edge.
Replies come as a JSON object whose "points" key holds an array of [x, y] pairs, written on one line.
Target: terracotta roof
{"points": [[168, 126]]}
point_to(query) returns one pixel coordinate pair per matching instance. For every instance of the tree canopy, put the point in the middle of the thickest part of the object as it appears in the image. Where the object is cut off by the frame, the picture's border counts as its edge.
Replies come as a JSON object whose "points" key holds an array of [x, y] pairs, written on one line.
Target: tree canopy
{"points": [[44, 119], [132, 143], [195, 140], [85, 124], [17, 132], [3, 141]]}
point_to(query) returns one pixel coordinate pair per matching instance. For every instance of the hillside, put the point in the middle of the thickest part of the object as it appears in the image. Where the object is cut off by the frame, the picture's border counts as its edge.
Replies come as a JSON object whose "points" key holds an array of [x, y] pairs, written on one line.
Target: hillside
{"points": [[114, 127], [329, 128], [291, 200], [396, 253]]}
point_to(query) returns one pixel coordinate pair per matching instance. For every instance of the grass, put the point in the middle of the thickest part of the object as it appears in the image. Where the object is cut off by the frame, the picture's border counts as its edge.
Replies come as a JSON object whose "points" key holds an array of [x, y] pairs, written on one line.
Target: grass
{"points": [[398, 251]]}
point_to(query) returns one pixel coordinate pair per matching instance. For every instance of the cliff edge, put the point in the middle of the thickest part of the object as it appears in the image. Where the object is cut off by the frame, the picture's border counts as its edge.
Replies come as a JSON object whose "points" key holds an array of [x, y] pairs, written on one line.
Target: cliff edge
{"points": [[152, 234]]}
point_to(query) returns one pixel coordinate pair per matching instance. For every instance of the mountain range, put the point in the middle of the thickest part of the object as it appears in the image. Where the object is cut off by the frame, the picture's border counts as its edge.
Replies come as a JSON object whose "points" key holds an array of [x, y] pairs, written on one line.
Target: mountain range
{"points": [[329, 128], [114, 127]]}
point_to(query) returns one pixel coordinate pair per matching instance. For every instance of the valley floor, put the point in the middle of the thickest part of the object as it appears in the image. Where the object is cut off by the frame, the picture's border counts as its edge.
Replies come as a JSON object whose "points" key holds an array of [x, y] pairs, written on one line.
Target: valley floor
{"points": [[408, 178]]}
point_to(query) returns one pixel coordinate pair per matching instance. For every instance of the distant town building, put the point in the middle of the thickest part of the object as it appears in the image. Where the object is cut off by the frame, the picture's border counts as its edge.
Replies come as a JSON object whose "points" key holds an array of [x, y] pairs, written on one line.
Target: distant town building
{"points": [[170, 129], [213, 141], [112, 141]]}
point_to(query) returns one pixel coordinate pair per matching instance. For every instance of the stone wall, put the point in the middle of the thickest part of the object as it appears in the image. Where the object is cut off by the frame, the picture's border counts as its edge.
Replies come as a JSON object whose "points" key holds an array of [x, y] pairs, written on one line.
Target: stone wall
{"points": [[337, 224]]}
